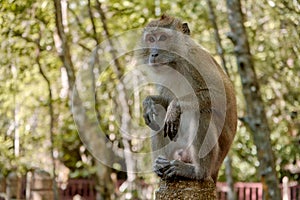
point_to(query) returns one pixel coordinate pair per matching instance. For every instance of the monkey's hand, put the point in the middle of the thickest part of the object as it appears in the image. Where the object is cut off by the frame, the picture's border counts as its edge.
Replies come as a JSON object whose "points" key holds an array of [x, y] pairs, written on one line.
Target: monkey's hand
{"points": [[172, 120], [149, 113], [175, 168]]}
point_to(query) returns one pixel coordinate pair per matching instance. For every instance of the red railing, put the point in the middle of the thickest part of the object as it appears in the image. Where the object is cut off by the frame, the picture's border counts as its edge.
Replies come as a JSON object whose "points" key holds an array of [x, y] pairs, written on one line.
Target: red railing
{"points": [[244, 191], [254, 191], [81, 187], [85, 188], [294, 192]]}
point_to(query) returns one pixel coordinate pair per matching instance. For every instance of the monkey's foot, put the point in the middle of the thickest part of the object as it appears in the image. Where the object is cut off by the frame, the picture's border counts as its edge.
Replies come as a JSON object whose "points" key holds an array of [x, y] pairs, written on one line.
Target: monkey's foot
{"points": [[180, 169], [170, 169], [172, 120], [161, 165]]}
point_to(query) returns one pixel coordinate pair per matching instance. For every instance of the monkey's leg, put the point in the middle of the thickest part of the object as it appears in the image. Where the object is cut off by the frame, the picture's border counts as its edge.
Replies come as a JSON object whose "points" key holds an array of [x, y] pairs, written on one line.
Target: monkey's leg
{"points": [[202, 163]]}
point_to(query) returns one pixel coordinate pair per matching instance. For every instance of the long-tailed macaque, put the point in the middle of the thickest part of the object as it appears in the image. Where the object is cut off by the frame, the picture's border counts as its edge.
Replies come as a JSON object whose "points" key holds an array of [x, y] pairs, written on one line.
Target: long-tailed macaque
{"points": [[193, 118]]}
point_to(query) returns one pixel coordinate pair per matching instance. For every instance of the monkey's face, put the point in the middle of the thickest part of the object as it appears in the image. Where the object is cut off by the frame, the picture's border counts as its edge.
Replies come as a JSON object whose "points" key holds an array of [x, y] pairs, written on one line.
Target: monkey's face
{"points": [[158, 47]]}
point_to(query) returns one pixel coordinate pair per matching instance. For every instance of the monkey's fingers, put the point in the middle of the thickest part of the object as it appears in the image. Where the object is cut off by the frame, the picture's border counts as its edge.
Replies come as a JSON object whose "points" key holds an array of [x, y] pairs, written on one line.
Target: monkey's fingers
{"points": [[171, 172], [160, 160], [175, 138], [149, 120], [161, 168], [166, 128], [158, 172], [173, 131], [161, 165]]}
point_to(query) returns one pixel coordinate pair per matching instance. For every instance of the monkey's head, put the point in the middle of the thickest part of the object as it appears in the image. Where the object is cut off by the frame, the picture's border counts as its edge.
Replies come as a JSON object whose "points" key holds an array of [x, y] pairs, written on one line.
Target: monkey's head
{"points": [[161, 38]]}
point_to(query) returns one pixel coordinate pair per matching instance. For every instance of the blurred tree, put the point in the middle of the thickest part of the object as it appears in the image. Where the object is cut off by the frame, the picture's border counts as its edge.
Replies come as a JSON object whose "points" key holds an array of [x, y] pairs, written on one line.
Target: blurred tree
{"points": [[86, 126], [273, 28], [51, 115], [256, 118]]}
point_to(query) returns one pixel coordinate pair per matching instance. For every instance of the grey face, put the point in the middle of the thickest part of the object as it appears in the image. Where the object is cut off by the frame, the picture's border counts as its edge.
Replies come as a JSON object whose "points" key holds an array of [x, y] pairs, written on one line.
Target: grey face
{"points": [[158, 43]]}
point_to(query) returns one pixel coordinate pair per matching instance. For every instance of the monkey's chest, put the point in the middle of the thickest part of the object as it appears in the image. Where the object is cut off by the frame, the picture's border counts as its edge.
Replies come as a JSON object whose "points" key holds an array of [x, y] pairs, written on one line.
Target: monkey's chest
{"points": [[188, 127]]}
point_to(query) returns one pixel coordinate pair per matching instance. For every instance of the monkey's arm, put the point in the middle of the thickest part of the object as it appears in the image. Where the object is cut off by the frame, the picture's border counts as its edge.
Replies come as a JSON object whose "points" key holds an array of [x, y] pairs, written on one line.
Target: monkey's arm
{"points": [[174, 107], [156, 99], [172, 119], [203, 155], [150, 111], [200, 100], [191, 102]]}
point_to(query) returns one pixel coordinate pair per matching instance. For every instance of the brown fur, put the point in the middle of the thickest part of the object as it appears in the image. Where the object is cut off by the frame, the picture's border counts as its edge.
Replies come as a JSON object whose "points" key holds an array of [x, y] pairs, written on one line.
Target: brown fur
{"points": [[182, 154], [166, 21]]}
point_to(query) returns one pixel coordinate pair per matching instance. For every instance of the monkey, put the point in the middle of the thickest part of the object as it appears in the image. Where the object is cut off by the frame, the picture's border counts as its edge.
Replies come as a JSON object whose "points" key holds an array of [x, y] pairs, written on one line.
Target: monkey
{"points": [[193, 118]]}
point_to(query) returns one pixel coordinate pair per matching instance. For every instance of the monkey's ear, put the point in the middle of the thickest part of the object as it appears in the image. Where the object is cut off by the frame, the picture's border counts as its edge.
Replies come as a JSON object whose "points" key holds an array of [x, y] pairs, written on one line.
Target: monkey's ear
{"points": [[186, 29], [164, 15]]}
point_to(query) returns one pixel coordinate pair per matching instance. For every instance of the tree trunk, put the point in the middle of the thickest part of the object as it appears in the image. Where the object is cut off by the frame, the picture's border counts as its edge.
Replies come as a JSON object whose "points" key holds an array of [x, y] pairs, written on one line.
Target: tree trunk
{"points": [[256, 119], [86, 127], [51, 128], [219, 47], [186, 189]]}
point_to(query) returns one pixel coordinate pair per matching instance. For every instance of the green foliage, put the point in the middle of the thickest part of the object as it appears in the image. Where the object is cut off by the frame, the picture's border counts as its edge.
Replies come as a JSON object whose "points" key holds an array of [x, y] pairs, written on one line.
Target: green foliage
{"points": [[273, 30]]}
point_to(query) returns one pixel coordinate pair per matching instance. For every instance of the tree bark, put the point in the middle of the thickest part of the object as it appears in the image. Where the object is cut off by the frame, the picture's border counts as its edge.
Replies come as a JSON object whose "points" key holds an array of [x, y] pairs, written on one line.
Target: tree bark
{"points": [[219, 47], [51, 114], [186, 189], [256, 119], [88, 128]]}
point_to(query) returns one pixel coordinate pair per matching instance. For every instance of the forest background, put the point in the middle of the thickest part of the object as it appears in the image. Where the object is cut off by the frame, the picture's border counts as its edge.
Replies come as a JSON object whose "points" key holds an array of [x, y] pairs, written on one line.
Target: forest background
{"points": [[42, 53]]}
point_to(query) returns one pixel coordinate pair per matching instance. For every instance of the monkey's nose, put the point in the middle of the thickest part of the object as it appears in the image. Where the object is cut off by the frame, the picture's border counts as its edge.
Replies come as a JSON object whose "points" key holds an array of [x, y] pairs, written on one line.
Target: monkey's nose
{"points": [[154, 55]]}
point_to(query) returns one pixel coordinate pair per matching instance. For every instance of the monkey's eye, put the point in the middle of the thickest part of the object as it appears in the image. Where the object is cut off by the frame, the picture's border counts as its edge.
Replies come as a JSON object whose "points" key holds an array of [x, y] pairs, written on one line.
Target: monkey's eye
{"points": [[151, 39], [162, 38]]}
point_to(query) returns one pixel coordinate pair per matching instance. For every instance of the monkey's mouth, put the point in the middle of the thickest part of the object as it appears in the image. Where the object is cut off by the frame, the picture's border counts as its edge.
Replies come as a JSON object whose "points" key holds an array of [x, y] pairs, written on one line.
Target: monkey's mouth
{"points": [[155, 62]]}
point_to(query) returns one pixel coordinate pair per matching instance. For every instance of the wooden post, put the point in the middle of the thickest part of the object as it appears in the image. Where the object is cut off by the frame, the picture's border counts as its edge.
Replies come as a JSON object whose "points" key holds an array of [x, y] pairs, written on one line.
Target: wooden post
{"points": [[186, 189]]}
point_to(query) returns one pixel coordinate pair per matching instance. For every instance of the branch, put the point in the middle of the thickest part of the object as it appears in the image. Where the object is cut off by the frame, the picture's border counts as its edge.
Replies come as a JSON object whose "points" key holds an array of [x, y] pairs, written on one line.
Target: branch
{"points": [[65, 50], [116, 66], [219, 47], [93, 22], [80, 25]]}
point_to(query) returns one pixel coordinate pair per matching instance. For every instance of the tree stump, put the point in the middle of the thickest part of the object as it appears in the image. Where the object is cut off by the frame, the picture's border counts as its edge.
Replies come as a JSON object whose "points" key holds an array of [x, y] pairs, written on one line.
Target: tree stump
{"points": [[186, 189]]}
